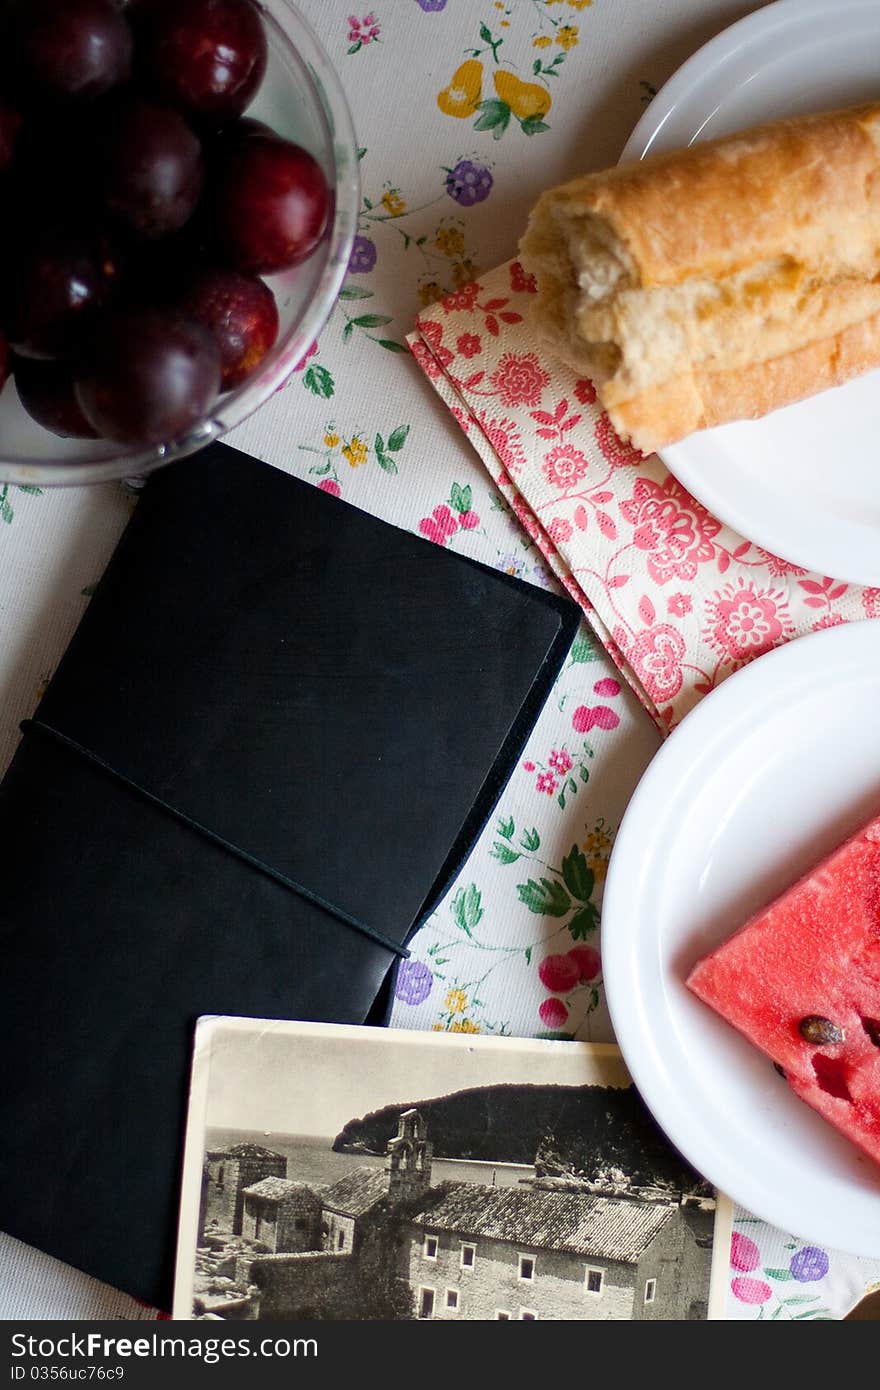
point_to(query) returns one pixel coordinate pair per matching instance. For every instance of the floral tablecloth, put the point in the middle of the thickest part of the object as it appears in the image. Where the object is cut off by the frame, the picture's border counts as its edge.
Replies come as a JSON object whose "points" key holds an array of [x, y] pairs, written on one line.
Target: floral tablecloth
{"points": [[464, 110]]}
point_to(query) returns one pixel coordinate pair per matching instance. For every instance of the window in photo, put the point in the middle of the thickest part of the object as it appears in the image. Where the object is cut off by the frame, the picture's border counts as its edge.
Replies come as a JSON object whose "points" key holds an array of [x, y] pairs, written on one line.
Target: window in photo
{"points": [[527, 1268]]}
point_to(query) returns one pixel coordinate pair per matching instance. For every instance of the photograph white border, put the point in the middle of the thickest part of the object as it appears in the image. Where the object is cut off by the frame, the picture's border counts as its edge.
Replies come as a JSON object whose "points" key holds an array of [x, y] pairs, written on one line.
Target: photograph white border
{"points": [[458, 1062]]}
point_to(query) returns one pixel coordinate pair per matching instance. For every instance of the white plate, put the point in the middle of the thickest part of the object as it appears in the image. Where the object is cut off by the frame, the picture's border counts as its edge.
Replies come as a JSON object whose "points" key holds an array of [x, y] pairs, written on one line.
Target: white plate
{"points": [[770, 772], [803, 482]]}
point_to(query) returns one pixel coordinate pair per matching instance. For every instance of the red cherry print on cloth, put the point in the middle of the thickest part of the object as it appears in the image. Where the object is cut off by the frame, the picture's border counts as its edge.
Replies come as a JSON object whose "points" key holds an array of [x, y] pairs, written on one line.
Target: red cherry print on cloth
{"points": [[559, 974], [439, 526], [588, 961], [554, 1014], [587, 717]]}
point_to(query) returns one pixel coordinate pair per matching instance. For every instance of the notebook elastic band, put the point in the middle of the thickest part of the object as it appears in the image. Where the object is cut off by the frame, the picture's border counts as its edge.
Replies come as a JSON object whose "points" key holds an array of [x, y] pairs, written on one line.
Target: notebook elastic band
{"points": [[46, 730]]}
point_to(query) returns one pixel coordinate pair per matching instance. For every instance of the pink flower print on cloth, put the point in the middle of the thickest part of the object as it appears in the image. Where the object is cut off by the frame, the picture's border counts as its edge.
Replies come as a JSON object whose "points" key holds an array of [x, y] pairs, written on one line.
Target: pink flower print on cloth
{"points": [[560, 761], [468, 344], [871, 603], [505, 439], [521, 280], [431, 355], [519, 379], [564, 465], [744, 621], [656, 656], [559, 530], [616, 450], [674, 530], [460, 301], [678, 599]]}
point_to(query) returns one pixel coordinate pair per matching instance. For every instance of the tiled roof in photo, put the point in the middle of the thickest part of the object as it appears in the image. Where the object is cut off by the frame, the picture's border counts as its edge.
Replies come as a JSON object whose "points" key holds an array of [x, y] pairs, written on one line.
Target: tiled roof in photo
{"points": [[607, 1227], [357, 1192], [244, 1151], [276, 1189]]}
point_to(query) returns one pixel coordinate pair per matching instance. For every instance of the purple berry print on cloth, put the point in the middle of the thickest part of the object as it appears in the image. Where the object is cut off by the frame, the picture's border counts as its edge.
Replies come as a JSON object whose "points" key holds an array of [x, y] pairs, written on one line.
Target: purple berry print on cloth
{"points": [[431, 6], [363, 256], [809, 1264], [469, 183], [414, 982]]}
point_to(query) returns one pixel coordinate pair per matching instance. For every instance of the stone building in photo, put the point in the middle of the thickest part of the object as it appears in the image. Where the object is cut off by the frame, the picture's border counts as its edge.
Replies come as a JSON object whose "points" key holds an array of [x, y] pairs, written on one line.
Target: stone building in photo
{"points": [[346, 1203], [226, 1174], [387, 1243], [530, 1253], [284, 1215]]}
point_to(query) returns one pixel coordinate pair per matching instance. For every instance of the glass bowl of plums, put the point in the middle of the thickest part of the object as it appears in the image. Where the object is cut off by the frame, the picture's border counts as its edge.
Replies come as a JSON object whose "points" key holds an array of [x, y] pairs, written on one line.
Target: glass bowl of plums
{"points": [[179, 187]]}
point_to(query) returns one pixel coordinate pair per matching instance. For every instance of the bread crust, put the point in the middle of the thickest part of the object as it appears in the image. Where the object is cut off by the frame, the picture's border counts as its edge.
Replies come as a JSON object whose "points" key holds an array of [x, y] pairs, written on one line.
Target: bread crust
{"points": [[717, 282], [667, 413]]}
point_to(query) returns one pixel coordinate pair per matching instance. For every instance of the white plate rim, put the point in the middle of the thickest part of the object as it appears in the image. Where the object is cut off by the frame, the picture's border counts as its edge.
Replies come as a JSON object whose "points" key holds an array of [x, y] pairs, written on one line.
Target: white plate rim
{"points": [[638, 843], [847, 551], [717, 52]]}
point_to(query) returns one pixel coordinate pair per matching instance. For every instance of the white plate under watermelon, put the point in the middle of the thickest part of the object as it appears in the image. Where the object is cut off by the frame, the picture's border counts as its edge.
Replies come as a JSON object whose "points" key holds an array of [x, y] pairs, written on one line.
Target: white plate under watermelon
{"points": [[763, 778]]}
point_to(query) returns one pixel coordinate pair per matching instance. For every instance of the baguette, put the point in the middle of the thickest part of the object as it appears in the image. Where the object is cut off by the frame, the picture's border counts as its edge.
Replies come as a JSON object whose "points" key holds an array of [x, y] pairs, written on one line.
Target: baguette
{"points": [[718, 282]]}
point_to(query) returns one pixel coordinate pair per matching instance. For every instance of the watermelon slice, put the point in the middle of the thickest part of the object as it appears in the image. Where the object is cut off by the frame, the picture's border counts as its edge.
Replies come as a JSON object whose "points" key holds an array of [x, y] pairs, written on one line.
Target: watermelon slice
{"points": [[801, 980]]}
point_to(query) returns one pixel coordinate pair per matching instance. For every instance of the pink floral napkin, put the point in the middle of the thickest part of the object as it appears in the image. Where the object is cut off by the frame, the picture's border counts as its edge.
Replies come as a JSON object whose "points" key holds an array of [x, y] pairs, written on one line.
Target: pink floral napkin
{"points": [[679, 600]]}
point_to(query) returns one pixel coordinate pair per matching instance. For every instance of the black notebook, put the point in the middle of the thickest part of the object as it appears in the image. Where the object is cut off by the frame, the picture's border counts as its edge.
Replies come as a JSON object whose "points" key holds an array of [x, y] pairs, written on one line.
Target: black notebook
{"points": [[265, 754]]}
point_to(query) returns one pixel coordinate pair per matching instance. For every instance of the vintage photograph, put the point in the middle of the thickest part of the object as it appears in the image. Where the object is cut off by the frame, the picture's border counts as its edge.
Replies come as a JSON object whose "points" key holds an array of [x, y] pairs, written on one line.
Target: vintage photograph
{"points": [[336, 1172]]}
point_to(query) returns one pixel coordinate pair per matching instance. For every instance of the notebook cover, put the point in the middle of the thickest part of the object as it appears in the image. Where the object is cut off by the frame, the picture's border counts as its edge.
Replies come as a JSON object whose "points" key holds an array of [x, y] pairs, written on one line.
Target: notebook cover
{"points": [[318, 695]]}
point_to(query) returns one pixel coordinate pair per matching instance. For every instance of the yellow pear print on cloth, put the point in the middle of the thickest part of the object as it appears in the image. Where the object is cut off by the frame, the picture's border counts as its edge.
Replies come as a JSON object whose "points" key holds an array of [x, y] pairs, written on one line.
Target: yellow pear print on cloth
{"points": [[527, 100], [462, 97], [522, 94]]}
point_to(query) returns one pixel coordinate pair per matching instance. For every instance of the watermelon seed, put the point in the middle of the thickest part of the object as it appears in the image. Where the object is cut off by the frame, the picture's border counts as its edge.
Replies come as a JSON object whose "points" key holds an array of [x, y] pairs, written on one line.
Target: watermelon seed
{"points": [[872, 1028], [779, 1069], [819, 1031]]}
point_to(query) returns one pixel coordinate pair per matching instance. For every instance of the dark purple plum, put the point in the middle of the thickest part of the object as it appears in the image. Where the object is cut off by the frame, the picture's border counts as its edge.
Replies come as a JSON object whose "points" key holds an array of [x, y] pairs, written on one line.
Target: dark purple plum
{"points": [[10, 124], [52, 170], [207, 57], [46, 390], [241, 314], [68, 50], [61, 282], [150, 168], [153, 375], [269, 203]]}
